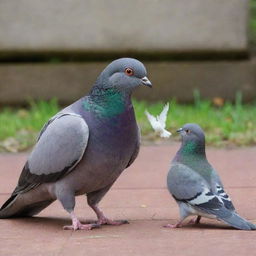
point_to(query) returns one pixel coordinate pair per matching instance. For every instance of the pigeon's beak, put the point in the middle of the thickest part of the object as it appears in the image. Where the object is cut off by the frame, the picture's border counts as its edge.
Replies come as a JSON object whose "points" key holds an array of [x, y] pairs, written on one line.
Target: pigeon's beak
{"points": [[145, 81], [179, 130]]}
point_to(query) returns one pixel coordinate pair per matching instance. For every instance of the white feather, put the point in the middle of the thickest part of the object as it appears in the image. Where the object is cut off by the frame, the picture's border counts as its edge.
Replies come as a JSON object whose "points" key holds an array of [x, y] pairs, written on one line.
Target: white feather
{"points": [[223, 195], [158, 123], [163, 116], [202, 198]]}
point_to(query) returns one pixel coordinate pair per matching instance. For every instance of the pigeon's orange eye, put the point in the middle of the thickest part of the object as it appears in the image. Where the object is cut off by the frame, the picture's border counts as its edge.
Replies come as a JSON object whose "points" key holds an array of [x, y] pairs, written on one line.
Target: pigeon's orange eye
{"points": [[128, 71]]}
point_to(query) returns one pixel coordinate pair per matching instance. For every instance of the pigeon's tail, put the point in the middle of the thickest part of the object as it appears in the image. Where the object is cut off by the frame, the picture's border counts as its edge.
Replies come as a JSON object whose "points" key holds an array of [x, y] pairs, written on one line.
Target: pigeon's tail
{"points": [[165, 134], [238, 222], [26, 204]]}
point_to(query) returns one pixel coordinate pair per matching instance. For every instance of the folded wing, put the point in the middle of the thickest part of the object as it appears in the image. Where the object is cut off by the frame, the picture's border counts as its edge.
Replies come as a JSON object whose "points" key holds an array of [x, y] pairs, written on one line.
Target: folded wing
{"points": [[60, 147]]}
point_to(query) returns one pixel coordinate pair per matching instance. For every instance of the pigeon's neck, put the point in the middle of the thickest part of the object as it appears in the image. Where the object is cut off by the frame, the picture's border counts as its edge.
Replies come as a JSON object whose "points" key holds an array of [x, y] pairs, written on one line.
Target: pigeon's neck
{"points": [[107, 102], [191, 151], [193, 156]]}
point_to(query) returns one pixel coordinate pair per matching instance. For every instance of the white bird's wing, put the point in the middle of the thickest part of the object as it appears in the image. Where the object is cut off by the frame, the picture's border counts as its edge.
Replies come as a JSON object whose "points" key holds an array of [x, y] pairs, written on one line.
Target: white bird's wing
{"points": [[163, 116], [152, 120]]}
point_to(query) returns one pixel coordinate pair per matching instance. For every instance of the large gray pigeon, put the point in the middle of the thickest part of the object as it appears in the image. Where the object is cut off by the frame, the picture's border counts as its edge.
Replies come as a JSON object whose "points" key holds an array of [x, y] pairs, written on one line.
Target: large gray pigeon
{"points": [[83, 148], [196, 186]]}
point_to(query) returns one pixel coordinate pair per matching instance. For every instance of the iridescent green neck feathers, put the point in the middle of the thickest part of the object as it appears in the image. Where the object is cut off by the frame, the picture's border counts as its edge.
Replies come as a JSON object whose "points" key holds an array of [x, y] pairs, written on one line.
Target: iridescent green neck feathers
{"points": [[106, 103]]}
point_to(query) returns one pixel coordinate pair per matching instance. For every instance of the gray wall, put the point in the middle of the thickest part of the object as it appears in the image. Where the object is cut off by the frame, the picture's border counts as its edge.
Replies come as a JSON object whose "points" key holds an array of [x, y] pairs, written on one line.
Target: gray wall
{"points": [[98, 29]]}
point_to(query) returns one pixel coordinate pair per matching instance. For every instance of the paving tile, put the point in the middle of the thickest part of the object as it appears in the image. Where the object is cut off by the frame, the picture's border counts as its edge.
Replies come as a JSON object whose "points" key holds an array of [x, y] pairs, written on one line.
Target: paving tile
{"points": [[140, 196]]}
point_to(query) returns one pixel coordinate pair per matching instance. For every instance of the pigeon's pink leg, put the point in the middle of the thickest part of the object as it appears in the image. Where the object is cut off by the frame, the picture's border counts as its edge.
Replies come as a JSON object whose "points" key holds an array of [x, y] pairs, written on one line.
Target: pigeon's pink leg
{"points": [[196, 220], [177, 225], [102, 220], [77, 225]]}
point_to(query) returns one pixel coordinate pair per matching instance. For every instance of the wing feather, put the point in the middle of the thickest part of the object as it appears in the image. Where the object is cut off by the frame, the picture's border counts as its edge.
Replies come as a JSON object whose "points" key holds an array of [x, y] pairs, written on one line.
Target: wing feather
{"points": [[59, 149], [163, 116], [189, 187], [152, 120]]}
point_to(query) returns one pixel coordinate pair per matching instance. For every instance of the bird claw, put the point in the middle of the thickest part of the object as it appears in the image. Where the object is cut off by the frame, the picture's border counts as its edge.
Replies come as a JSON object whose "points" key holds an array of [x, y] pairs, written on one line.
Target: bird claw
{"points": [[196, 220], [105, 221], [177, 225], [80, 226]]}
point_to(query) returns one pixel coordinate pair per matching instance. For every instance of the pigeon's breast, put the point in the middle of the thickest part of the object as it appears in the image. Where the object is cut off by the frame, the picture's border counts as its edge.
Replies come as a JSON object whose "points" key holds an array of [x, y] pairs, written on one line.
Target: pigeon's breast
{"points": [[114, 137], [112, 143]]}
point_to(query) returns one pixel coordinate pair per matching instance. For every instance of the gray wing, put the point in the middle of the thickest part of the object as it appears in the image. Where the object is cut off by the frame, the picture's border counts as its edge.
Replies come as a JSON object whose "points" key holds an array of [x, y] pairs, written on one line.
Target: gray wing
{"points": [[59, 149], [185, 184], [136, 150], [189, 187], [218, 188]]}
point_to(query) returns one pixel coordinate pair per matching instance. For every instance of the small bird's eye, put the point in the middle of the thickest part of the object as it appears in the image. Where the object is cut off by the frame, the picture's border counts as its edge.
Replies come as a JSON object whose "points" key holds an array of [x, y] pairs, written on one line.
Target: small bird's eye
{"points": [[187, 131], [128, 71]]}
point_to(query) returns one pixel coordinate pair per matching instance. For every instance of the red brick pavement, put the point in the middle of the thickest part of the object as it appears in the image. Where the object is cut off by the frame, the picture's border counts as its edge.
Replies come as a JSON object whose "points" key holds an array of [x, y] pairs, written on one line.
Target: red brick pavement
{"points": [[139, 195]]}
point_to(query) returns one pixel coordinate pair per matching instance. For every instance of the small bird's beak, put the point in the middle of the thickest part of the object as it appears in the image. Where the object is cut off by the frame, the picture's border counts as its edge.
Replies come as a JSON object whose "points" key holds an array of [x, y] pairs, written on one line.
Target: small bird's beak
{"points": [[179, 130], [146, 82]]}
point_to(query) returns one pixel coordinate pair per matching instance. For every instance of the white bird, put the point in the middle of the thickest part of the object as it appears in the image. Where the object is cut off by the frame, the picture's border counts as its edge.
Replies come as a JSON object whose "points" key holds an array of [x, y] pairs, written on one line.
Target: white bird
{"points": [[158, 123]]}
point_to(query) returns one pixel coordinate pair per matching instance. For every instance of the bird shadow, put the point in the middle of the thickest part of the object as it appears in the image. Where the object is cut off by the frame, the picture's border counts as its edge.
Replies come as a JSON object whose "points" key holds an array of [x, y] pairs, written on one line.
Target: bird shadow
{"points": [[209, 226], [57, 222], [53, 222]]}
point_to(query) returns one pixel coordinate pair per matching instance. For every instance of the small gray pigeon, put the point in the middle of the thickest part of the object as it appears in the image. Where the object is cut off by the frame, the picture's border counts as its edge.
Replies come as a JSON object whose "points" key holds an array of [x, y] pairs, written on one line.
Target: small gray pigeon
{"points": [[196, 186], [83, 149]]}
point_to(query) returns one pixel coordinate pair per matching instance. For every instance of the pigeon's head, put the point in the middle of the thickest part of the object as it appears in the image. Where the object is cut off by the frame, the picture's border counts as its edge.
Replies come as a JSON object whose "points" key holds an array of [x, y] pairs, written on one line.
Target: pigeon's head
{"points": [[123, 74], [192, 134]]}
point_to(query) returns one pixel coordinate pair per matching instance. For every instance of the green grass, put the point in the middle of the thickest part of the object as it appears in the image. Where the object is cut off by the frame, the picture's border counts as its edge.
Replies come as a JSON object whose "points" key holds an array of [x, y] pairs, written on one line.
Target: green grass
{"points": [[230, 124], [19, 127]]}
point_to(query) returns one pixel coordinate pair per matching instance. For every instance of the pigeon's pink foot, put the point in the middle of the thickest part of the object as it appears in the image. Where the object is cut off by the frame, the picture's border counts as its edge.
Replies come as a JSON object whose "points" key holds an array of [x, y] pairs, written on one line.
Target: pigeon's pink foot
{"points": [[177, 225], [106, 221], [196, 220], [102, 220], [77, 225], [80, 226]]}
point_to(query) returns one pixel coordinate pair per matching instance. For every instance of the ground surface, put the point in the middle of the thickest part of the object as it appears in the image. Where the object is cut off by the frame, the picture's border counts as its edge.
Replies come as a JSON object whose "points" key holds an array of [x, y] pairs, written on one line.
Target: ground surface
{"points": [[140, 196]]}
